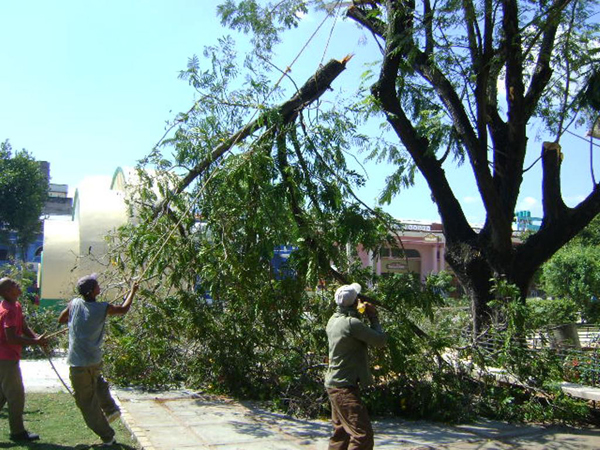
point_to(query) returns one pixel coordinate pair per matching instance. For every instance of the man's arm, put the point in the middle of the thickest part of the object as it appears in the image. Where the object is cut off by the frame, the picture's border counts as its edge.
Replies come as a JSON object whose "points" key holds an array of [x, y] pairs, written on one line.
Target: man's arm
{"points": [[28, 331], [64, 316], [13, 339], [374, 335], [114, 310]]}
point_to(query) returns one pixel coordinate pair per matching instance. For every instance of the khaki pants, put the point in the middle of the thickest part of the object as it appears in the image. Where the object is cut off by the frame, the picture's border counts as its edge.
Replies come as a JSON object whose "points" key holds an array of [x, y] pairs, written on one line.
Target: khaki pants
{"points": [[13, 393], [351, 423], [93, 398]]}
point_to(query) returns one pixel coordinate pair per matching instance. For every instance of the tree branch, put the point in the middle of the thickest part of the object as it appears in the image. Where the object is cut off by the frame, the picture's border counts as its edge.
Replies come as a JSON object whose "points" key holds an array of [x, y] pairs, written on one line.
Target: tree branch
{"points": [[456, 225], [470, 22], [476, 147], [552, 200], [307, 94], [543, 72], [428, 21], [297, 212], [514, 61], [554, 233], [374, 25]]}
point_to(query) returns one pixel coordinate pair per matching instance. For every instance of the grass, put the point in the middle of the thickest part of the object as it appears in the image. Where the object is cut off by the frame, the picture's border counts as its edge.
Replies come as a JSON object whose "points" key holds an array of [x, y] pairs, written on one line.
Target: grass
{"points": [[59, 423]]}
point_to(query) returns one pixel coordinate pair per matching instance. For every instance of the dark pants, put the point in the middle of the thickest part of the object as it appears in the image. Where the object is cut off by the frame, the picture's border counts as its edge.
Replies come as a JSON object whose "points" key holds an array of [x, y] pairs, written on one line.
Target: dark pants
{"points": [[13, 393], [351, 423], [93, 399]]}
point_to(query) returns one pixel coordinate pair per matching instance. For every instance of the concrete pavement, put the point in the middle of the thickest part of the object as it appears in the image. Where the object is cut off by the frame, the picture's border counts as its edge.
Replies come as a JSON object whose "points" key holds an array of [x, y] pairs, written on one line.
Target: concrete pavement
{"points": [[183, 419]]}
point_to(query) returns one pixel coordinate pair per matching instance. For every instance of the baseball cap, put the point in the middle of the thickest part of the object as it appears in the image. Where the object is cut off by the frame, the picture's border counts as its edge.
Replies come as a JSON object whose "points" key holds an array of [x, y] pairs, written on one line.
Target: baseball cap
{"points": [[346, 294]]}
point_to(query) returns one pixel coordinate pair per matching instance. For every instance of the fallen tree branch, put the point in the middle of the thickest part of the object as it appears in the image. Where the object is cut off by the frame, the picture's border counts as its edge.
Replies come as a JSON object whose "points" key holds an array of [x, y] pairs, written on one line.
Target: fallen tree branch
{"points": [[314, 87]]}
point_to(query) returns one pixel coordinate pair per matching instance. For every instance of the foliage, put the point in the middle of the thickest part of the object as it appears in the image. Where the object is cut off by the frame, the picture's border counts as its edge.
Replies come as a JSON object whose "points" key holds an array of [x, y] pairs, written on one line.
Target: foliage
{"points": [[270, 345], [545, 312], [265, 22], [214, 313], [58, 421], [23, 190], [590, 235], [532, 391], [583, 368], [574, 272], [464, 84]]}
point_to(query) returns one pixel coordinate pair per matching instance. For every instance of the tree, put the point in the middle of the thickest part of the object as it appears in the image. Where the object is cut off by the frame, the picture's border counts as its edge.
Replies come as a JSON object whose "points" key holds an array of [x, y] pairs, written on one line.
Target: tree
{"points": [[249, 172], [208, 220], [574, 272], [467, 79], [23, 192]]}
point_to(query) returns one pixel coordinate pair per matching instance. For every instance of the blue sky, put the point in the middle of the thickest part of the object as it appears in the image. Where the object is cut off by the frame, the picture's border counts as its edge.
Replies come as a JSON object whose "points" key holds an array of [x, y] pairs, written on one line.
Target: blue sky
{"points": [[89, 86]]}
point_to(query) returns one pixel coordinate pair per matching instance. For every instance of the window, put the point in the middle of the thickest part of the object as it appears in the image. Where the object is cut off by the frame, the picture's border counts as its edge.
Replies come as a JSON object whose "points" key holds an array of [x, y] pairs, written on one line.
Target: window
{"points": [[410, 253], [399, 253], [384, 252]]}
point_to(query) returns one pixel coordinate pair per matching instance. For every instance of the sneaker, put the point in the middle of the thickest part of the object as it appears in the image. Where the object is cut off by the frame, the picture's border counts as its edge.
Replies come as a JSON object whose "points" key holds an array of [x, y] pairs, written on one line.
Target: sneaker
{"points": [[113, 416], [110, 443], [24, 436]]}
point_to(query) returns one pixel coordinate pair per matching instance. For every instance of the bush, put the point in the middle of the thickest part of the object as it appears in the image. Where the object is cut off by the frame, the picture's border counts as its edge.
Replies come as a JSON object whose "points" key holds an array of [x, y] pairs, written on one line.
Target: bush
{"points": [[546, 312], [583, 368], [574, 272]]}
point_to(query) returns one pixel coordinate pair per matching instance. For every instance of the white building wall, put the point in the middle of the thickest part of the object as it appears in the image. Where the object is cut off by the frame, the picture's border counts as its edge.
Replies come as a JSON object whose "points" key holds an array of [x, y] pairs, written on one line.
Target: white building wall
{"points": [[77, 247]]}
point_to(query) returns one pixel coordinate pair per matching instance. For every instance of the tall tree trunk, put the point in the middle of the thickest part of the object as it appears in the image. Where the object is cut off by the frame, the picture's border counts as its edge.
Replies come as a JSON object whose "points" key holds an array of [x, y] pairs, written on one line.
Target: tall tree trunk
{"points": [[474, 274]]}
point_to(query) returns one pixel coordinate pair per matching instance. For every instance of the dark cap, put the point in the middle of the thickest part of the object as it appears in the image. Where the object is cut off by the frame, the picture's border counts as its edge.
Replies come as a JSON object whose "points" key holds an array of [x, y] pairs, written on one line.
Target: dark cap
{"points": [[87, 284]]}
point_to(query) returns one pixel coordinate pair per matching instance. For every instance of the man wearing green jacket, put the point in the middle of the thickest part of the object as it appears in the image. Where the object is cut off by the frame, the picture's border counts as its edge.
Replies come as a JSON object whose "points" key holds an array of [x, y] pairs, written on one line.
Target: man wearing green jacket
{"points": [[349, 338]]}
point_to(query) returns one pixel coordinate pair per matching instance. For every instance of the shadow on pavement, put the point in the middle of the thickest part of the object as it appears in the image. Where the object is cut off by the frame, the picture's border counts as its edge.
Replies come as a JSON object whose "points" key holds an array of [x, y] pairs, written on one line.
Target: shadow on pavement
{"points": [[48, 446]]}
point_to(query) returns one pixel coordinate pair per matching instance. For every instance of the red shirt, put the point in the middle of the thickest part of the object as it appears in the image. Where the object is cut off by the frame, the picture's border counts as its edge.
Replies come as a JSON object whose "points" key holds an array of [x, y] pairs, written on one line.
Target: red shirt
{"points": [[11, 315]]}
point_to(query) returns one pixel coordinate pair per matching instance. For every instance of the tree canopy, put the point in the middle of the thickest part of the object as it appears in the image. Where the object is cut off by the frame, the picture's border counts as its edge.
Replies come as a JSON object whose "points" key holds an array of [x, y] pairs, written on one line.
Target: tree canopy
{"points": [[23, 192], [466, 81], [574, 272]]}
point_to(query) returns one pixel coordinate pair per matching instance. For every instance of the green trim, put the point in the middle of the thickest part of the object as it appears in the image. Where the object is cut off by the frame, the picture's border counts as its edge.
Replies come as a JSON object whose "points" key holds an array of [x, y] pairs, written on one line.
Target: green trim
{"points": [[118, 171], [56, 304], [75, 204]]}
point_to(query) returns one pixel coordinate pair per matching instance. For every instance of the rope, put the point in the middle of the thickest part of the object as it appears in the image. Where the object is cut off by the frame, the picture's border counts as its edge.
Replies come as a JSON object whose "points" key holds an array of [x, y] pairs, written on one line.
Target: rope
{"points": [[337, 5], [56, 372], [592, 149], [56, 333]]}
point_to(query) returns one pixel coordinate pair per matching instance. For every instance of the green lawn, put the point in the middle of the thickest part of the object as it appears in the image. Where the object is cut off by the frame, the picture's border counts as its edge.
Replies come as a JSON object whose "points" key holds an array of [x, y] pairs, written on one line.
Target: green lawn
{"points": [[57, 420]]}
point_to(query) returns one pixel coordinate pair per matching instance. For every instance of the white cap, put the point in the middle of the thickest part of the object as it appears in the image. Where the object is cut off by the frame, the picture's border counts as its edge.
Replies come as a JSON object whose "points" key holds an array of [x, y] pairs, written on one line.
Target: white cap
{"points": [[346, 294]]}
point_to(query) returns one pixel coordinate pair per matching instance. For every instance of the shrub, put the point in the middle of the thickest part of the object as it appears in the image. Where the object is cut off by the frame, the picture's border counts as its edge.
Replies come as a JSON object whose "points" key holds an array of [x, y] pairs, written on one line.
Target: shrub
{"points": [[545, 312]]}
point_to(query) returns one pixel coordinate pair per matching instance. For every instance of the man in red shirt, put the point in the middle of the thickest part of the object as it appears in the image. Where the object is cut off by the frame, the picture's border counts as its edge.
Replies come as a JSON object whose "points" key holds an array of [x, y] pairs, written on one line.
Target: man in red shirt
{"points": [[14, 333]]}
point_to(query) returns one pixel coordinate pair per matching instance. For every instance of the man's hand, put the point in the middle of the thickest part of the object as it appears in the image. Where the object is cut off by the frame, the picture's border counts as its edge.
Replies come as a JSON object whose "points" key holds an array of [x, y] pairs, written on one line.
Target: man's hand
{"points": [[41, 340], [370, 310]]}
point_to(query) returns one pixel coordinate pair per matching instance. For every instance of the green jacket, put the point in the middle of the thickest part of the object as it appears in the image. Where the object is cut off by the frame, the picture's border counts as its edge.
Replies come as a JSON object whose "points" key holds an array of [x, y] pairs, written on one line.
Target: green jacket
{"points": [[349, 338]]}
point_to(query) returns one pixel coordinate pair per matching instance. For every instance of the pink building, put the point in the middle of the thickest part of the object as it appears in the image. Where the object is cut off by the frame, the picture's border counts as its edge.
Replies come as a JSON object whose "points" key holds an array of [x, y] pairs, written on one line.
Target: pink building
{"points": [[420, 250]]}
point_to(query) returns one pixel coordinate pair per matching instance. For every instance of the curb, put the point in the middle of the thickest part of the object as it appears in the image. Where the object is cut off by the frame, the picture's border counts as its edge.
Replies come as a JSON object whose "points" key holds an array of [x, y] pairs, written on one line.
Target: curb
{"points": [[137, 433]]}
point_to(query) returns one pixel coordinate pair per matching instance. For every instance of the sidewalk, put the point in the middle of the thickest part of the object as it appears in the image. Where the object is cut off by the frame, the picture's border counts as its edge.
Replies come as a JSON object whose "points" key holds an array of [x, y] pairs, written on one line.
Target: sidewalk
{"points": [[182, 419]]}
